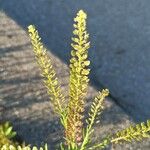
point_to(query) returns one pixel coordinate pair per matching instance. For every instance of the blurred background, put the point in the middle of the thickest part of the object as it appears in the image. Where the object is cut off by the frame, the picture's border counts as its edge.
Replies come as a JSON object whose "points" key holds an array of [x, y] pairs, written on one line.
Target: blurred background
{"points": [[119, 54]]}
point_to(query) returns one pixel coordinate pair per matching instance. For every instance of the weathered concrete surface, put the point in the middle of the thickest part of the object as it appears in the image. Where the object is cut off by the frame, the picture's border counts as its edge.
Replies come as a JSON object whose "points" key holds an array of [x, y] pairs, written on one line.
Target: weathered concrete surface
{"points": [[120, 41], [23, 98], [119, 53]]}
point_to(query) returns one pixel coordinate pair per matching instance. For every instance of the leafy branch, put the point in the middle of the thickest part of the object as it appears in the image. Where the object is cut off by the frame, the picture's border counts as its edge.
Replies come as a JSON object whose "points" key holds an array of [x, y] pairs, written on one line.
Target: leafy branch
{"points": [[96, 109], [137, 132]]}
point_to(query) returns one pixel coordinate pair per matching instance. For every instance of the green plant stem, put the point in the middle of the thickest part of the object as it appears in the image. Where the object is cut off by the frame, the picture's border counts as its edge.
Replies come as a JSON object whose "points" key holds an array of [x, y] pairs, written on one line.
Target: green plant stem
{"points": [[89, 127]]}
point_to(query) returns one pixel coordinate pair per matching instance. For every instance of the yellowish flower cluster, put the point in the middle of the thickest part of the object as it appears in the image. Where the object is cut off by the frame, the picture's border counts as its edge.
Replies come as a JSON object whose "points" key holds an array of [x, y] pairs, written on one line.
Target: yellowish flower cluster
{"points": [[78, 78]]}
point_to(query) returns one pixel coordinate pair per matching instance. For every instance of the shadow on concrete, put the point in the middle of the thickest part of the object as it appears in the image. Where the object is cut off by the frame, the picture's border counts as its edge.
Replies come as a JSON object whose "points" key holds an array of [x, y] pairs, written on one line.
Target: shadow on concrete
{"points": [[46, 15], [26, 104], [55, 37]]}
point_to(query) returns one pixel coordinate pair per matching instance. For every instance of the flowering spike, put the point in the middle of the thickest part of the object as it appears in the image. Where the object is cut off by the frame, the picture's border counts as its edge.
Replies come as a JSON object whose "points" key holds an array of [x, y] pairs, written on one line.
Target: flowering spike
{"points": [[78, 78], [47, 71]]}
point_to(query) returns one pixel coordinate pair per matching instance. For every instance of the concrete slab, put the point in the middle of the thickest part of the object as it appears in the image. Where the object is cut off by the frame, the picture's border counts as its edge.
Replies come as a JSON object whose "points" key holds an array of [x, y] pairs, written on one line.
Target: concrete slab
{"points": [[24, 100]]}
